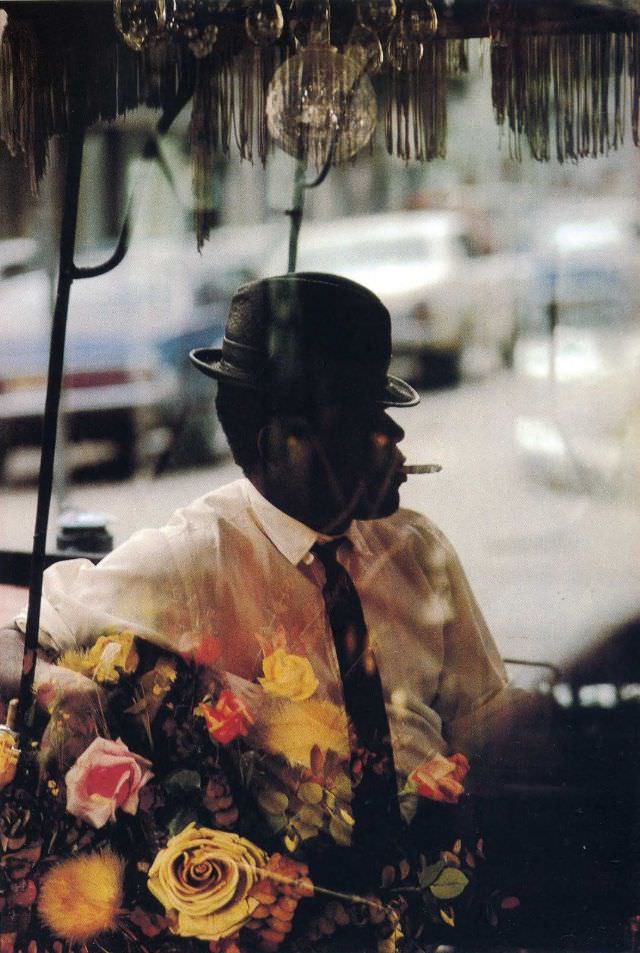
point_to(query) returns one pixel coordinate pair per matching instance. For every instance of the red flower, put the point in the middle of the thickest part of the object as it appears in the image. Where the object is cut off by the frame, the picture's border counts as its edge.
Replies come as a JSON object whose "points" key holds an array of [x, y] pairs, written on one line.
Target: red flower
{"points": [[227, 719], [105, 777], [440, 778]]}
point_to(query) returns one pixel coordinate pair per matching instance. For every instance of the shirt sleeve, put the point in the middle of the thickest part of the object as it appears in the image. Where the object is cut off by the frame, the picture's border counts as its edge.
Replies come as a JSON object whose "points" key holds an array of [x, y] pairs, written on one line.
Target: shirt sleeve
{"points": [[473, 690], [137, 588]]}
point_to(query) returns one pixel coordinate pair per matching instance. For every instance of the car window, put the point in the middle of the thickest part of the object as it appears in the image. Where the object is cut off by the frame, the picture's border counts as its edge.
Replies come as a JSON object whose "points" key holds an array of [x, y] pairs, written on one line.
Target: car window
{"points": [[371, 252]]}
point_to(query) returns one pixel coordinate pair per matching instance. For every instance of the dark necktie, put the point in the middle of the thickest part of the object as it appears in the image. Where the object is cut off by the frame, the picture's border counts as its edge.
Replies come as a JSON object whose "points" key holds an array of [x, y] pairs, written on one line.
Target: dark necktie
{"points": [[375, 803]]}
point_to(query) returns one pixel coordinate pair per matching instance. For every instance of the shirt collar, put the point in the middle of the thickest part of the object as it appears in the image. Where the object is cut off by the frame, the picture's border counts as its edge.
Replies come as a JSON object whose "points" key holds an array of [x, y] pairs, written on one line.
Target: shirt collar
{"points": [[291, 537]]}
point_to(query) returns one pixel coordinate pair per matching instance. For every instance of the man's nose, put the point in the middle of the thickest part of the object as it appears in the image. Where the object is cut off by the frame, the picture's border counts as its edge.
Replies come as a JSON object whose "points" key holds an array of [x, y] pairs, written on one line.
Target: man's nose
{"points": [[393, 430], [387, 432]]}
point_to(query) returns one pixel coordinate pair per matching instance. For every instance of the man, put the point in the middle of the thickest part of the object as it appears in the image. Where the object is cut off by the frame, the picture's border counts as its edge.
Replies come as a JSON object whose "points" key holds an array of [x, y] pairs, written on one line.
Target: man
{"points": [[304, 580]]}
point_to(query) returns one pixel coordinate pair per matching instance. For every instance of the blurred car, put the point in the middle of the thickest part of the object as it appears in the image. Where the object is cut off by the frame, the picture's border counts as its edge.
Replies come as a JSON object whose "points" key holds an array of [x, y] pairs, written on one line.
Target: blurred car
{"points": [[579, 339], [128, 380], [450, 301], [232, 256], [115, 387]]}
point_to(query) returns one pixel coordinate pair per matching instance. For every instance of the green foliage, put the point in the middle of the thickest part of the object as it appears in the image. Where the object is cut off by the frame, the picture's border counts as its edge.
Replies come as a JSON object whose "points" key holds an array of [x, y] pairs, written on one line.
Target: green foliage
{"points": [[428, 874], [449, 884], [182, 782]]}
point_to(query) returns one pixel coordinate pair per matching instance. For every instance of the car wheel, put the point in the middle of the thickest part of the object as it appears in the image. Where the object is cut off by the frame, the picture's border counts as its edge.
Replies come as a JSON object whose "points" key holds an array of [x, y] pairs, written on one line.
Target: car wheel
{"points": [[125, 437], [4, 452]]}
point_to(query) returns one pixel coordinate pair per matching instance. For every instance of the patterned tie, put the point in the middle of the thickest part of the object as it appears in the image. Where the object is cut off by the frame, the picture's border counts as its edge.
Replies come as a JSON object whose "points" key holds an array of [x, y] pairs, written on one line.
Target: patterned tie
{"points": [[375, 803]]}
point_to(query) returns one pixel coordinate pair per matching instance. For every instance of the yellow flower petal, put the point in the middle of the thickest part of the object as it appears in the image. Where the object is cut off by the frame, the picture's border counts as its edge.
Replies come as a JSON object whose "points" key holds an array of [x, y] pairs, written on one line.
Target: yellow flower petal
{"points": [[288, 676], [202, 878]]}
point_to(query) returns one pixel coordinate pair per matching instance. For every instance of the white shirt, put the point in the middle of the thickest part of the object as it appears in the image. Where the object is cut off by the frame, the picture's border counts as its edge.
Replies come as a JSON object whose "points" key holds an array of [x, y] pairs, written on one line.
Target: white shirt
{"points": [[233, 572]]}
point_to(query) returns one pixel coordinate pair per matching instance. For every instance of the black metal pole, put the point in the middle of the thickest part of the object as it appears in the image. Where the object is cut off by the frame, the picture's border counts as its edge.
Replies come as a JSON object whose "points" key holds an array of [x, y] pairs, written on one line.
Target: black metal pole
{"points": [[75, 142]]}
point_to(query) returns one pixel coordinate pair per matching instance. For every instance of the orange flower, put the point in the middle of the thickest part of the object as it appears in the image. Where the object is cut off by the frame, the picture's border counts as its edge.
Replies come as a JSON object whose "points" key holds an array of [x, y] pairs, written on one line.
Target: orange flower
{"points": [[228, 719], [440, 778]]}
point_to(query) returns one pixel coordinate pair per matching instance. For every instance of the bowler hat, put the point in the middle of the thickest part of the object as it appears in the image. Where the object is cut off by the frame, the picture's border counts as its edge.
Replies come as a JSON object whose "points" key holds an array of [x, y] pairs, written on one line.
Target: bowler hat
{"points": [[301, 333]]}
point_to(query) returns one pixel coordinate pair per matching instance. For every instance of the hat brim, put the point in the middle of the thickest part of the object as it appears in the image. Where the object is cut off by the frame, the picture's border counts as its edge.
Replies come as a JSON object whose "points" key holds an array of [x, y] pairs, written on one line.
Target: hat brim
{"points": [[209, 360]]}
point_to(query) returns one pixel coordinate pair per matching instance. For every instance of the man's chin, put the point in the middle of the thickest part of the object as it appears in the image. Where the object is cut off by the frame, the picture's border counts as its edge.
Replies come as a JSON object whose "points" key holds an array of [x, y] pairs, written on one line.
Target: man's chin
{"points": [[378, 509]]}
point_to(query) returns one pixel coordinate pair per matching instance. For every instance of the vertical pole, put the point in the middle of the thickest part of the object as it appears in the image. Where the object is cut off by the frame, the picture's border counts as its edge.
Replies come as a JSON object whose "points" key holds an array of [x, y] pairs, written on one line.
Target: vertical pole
{"points": [[52, 404], [296, 212]]}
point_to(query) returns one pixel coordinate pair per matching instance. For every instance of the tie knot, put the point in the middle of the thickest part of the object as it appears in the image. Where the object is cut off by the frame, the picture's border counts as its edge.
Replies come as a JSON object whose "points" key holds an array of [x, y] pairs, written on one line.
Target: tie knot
{"points": [[327, 552]]}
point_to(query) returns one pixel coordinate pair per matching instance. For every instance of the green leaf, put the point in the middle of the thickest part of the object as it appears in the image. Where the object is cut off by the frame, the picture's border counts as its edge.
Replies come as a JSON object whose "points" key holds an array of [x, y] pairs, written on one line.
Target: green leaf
{"points": [[410, 788], [178, 823], [276, 822], [273, 802], [311, 814], [310, 792], [340, 832], [429, 874], [306, 831], [182, 782], [449, 884]]}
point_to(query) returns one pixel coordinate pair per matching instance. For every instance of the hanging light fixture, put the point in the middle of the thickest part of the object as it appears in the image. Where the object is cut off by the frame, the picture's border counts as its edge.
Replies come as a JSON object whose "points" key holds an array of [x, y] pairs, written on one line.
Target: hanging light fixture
{"points": [[139, 22], [365, 48], [321, 105], [421, 19], [264, 22], [378, 15], [194, 23], [403, 49]]}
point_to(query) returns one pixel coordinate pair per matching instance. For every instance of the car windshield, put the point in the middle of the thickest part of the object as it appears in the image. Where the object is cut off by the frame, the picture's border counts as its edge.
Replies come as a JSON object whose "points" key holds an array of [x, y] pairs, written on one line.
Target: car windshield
{"points": [[373, 252], [517, 321]]}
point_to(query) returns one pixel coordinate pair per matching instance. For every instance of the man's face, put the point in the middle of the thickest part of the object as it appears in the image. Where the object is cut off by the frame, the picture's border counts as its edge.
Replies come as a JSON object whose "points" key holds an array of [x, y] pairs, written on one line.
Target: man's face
{"points": [[337, 463]]}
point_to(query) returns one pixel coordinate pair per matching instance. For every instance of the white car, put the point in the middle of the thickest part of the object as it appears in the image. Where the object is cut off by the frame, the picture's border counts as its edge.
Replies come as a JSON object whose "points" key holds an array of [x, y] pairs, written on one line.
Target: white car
{"points": [[116, 390], [579, 342], [451, 306]]}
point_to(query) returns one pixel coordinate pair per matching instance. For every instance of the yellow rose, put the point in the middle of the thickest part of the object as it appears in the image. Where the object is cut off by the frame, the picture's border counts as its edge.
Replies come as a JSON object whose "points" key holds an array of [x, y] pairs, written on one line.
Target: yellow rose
{"points": [[288, 676], [9, 755], [112, 654], [203, 878]]}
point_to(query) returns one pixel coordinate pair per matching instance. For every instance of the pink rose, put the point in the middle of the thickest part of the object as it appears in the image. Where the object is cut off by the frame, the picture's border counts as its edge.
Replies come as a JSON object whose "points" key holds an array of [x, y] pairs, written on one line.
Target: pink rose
{"points": [[106, 776]]}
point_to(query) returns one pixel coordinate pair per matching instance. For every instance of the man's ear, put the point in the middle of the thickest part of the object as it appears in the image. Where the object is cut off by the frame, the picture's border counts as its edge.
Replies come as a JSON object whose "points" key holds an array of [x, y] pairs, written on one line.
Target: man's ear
{"points": [[263, 443], [272, 441], [284, 440]]}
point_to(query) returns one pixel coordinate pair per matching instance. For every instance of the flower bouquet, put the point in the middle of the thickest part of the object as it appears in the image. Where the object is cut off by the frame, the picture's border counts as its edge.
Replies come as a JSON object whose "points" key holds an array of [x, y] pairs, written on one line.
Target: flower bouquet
{"points": [[176, 808]]}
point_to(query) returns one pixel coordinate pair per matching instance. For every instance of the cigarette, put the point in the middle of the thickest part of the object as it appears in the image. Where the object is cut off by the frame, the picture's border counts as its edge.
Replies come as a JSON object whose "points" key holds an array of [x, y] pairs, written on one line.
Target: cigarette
{"points": [[409, 468]]}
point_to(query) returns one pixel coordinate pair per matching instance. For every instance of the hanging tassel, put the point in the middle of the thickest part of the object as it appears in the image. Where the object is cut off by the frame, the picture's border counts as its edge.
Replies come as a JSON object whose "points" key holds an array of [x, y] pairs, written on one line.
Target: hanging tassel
{"points": [[256, 65], [24, 125], [578, 79], [457, 58], [634, 82], [205, 138], [212, 116], [415, 106], [434, 69]]}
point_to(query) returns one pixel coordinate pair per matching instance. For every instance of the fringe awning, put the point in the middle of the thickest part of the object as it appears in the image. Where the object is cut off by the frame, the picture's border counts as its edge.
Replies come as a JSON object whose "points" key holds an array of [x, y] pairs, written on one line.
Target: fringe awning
{"points": [[565, 76]]}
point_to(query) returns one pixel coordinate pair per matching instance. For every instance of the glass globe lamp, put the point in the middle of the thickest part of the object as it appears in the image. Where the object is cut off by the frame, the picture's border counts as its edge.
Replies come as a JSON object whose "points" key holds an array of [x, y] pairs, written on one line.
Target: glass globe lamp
{"points": [[321, 104], [264, 22]]}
